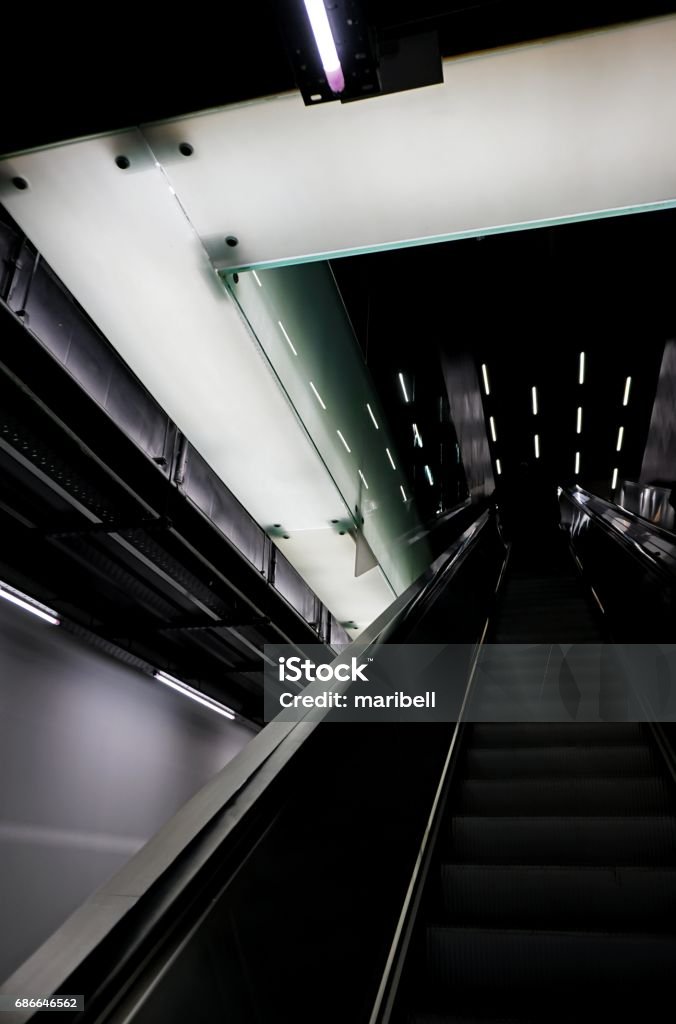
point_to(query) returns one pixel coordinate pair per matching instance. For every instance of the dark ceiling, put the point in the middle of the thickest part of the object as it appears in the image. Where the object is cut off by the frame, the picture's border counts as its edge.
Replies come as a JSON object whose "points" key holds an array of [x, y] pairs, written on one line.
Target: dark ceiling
{"points": [[67, 76]]}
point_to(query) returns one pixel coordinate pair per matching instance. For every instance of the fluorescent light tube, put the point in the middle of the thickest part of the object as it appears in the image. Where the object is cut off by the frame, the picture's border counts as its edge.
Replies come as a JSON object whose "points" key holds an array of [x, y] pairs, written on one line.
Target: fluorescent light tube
{"points": [[577, 463], [620, 439], [417, 439], [28, 604], [428, 473], [498, 466], [347, 447], [321, 30], [189, 691], [581, 374], [627, 389], [257, 279], [579, 419], [484, 370], [403, 387], [291, 345], [493, 433], [403, 493], [363, 479], [389, 455], [375, 421], [534, 396], [317, 395], [614, 482], [536, 441]]}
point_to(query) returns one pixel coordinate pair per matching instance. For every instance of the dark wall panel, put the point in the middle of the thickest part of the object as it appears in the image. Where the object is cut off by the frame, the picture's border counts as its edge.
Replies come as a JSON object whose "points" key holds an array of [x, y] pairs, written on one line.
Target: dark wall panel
{"points": [[94, 758]]}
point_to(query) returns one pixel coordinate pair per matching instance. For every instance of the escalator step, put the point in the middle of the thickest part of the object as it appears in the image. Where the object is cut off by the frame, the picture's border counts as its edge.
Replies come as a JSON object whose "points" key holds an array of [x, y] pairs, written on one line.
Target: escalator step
{"points": [[600, 759], [560, 898], [494, 960], [562, 840], [516, 734], [551, 796]]}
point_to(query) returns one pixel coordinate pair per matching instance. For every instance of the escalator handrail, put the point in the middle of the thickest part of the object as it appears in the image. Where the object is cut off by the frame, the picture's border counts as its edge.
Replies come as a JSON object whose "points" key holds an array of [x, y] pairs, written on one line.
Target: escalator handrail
{"points": [[632, 545], [210, 817]]}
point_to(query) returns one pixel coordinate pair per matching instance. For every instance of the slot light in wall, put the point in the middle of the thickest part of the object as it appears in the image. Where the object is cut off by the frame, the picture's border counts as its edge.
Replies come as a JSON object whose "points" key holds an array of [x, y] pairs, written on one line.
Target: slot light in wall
{"points": [[577, 463], [579, 420], [389, 455], [581, 370], [402, 384], [318, 396], [498, 467], [484, 371], [189, 691], [534, 398], [428, 474], [536, 444], [321, 30], [363, 479], [28, 604], [627, 389], [403, 492], [375, 421], [283, 330], [620, 439], [493, 431], [613, 484], [417, 439], [346, 445]]}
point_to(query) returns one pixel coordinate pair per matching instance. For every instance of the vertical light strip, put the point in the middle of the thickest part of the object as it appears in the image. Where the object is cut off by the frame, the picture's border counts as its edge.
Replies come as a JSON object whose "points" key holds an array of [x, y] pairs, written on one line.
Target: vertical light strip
{"points": [[257, 279], [347, 447], [498, 466], [534, 396], [627, 389], [493, 432], [317, 395], [283, 330], [29, 604], [577, 463], [375, 421], [581, 374], [389, 455], [614, 481], [536, 441], [321, 30], [484, 370], [579, 419], [620, 439]]}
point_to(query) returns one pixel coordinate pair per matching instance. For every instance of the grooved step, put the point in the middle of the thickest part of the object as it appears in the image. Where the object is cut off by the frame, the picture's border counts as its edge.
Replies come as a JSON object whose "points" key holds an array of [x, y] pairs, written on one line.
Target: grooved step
{"points": [[495, 960], [593, 795], [563, 840], [516, 734], [559, 898], [600, 759]]}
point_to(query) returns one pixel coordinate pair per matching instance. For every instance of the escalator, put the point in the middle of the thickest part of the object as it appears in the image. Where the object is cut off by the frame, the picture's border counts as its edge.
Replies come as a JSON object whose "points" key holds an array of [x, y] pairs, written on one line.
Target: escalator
{"points": [[485, 870]]}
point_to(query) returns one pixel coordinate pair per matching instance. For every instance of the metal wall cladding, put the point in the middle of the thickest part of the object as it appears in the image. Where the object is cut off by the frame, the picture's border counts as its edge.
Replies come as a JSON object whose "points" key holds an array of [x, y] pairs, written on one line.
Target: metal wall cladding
{"points": [[659, 460], [211, 496], [292, 587]]}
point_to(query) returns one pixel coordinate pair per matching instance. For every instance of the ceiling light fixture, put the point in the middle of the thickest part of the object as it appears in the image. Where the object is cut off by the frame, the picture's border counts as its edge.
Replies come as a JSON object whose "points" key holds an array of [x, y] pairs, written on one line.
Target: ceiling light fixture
{"points": [[190, 691], [579, 419], [484, 370], [257, 279], [347, 447], [389, 455], [317, 395], [614, 481], [363, 479], [536, 440], [627, 389], [291, 345], [534, 396], [417, 439], [321, 30], [577, 463], [403, 492], [581, 374], [498, 466], [428, 473], [620, 439], [403, 387], [375, 421], [493, 433], [29, 604]]}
